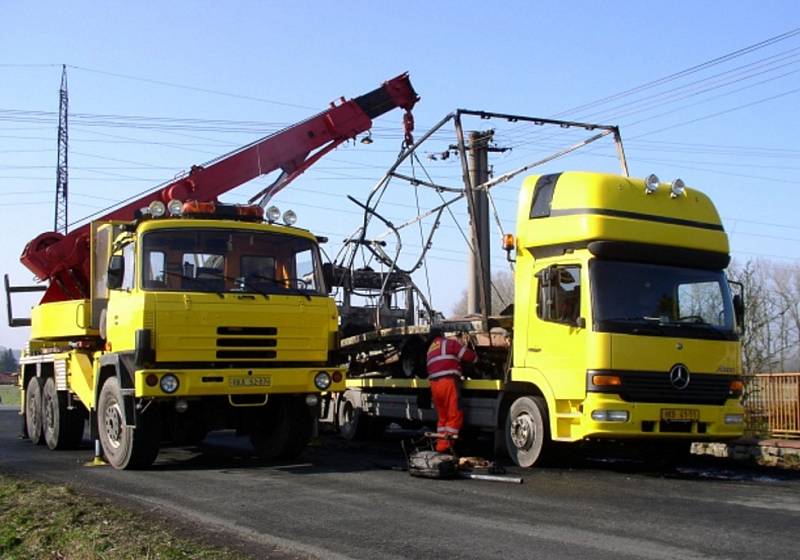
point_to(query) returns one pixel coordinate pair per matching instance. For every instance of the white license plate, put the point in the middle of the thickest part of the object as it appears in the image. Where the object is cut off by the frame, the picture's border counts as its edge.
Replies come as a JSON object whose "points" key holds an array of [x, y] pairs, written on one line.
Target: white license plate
{"points": [[251, 381]]}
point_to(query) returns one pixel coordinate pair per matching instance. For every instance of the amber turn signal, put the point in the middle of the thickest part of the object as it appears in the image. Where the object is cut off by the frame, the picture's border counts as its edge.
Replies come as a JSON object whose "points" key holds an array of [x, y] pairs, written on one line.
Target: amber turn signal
{"points": [[508, 241], [151, 380], [607, 380], [737, 386]]}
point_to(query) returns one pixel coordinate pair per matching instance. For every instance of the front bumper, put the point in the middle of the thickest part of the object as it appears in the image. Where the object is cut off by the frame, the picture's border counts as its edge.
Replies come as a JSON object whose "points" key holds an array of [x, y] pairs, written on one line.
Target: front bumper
{"points": [[645, 420], [236, 381]]}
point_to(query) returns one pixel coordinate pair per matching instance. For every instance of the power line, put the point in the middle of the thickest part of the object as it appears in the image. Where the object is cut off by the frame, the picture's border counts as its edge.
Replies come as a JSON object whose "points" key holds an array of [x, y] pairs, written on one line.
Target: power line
{"points": [[686, 72]]}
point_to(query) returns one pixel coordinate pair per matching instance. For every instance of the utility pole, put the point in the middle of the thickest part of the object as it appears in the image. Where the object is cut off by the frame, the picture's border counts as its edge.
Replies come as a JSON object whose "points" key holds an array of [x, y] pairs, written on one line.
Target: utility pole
{"points": [[479, 298], [62, 174], [479, 287]]}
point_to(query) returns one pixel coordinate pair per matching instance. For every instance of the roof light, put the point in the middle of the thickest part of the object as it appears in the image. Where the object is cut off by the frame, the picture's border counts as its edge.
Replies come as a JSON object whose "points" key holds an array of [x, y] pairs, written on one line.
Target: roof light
{"points": [[175, 207], [273, 214], [194, 207], [289, 217], [678, 188], [651, 183], [157, 208], [508, 241]]}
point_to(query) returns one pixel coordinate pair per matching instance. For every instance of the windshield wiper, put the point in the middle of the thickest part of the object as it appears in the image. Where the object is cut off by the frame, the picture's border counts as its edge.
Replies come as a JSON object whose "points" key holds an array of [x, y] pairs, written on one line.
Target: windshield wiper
{"points": [[282, 283], [702, 324]]}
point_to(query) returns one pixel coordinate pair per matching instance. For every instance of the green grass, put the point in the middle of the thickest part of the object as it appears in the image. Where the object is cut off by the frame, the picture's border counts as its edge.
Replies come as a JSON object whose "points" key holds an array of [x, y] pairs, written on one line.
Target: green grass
{"points": [[9, 394], [46, 521]]}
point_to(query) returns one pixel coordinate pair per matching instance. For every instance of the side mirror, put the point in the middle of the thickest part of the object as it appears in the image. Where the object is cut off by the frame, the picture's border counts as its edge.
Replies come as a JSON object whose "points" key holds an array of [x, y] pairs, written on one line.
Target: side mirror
{"points": [[327, 276], [116, 271], [738, 310]]}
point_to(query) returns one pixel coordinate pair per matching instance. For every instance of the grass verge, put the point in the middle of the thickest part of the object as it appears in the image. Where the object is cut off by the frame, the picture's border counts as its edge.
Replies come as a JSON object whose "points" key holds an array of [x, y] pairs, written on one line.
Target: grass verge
{"points": [[9, 394], [48, 521]]}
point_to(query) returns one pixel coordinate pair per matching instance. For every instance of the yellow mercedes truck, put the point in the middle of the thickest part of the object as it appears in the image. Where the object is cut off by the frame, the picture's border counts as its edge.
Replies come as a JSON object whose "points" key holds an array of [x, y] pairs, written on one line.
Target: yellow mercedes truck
{"points": [[623, 327]]}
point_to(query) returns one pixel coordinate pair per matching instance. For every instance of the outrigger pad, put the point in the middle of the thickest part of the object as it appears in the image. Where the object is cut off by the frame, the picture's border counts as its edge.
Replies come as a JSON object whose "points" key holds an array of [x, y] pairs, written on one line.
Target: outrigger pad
{"points": [[432, 464]]}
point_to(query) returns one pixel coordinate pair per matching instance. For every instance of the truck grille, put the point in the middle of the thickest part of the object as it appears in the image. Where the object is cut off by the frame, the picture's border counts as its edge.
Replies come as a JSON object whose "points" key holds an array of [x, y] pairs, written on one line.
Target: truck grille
{"points": [[655, 387], [703, 388], [246, 343]]}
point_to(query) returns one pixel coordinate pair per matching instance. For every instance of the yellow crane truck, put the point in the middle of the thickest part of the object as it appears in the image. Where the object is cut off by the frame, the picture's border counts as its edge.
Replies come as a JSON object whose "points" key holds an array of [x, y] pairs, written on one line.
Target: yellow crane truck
{"points": [[175, 314], [623, 327]]}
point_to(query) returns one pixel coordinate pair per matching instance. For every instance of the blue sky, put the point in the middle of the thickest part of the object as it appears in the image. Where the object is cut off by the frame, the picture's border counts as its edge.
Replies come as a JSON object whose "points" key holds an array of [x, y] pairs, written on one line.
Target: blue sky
{"points": [[282, 62]]}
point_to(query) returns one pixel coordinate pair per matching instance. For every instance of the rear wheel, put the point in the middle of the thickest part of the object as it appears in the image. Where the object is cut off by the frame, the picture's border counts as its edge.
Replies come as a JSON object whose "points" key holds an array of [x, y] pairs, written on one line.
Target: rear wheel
{"points": [[124, 446], [526, 430], [353, 423], [62, 427], [33, 410], [411, 362]]}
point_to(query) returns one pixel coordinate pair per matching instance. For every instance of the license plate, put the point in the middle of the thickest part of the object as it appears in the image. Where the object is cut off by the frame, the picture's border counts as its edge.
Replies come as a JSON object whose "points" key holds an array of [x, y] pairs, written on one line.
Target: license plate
{"points": [[680, 414], [252, 381]]}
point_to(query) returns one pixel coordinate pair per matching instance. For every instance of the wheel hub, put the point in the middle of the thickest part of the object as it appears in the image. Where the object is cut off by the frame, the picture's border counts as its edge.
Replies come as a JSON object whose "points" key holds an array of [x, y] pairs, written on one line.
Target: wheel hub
{"points": [[114, 424], [522, 432], [49, 413]]}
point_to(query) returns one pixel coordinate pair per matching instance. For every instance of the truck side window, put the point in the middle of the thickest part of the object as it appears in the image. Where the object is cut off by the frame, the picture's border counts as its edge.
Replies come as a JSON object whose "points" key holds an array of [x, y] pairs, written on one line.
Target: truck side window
{"points": [[128, 254], [559, 294]]}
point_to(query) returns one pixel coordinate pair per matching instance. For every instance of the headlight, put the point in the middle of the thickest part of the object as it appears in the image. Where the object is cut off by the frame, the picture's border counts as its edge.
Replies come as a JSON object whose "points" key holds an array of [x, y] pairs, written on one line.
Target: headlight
{"points": [[175, 207], [651, 184], [734, 418], [677, 188], [169, 383], [273, 214], [322, 380], [157, 208], [610, 415], [289, 218]]}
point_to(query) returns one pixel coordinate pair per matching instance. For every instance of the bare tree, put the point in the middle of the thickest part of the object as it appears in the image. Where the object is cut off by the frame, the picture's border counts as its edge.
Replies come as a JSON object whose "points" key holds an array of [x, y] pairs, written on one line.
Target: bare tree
{"points": [[502, 294]]}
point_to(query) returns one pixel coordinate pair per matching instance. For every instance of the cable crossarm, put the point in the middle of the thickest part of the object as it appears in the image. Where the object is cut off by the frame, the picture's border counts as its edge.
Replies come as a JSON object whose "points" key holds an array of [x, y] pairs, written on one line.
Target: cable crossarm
{"points": [[511, 174]]}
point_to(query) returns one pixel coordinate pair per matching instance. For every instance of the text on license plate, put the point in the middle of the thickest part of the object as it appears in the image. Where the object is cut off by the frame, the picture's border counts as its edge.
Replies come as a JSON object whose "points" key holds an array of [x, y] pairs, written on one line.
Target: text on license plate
{"points": [[252, 381], [680, 414]]}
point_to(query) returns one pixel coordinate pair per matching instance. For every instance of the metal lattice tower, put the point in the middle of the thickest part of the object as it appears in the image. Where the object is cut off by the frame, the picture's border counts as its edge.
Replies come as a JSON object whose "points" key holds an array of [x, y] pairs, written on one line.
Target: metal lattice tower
{"points": [[62, 173]]}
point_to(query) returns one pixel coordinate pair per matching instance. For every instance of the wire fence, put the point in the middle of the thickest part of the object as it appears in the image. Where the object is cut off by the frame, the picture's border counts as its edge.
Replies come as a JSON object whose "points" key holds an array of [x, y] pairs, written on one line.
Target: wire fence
{"points": [[772, 405]]}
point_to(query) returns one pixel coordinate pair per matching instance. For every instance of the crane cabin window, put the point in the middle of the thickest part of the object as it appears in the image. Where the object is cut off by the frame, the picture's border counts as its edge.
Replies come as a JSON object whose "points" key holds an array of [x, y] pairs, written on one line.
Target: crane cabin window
{"points": [[221, 260]]}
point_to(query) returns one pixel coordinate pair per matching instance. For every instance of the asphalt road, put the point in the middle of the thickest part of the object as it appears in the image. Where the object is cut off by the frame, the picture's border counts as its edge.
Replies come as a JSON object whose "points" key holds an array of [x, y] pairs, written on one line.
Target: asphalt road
{"points": [[352, 501]]}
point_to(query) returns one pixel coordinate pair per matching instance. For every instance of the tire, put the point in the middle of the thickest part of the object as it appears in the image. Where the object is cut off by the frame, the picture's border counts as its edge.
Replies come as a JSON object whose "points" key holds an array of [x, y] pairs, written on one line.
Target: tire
{"points": [[353, 424], [411, 362], [33, 411], [283, 429], [124, 446], [62, 427], [526, 430]]}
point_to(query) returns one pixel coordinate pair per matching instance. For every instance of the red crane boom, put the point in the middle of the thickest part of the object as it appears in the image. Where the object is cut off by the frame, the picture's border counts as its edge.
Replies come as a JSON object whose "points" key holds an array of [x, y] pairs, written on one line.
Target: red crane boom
{"points": [[64, 260]]}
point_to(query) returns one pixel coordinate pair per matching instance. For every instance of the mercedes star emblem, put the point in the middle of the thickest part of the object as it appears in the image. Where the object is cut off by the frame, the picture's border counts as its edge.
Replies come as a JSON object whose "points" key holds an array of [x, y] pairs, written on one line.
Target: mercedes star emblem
{"points": [[679, 376]]}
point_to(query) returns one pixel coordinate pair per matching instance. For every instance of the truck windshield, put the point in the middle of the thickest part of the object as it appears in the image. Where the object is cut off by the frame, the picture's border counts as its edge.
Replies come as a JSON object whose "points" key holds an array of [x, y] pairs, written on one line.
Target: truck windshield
{"points": [[660, 300], [219, 261]]}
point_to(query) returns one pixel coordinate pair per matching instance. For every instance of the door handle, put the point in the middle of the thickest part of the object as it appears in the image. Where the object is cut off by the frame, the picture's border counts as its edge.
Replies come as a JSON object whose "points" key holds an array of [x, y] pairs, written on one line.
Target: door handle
{"points": [[535, 349]]}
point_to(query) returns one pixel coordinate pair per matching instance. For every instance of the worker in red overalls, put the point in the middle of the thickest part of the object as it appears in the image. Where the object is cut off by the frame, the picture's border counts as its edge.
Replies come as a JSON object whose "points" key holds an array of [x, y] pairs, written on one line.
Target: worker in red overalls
{"points": [[445, 356]]}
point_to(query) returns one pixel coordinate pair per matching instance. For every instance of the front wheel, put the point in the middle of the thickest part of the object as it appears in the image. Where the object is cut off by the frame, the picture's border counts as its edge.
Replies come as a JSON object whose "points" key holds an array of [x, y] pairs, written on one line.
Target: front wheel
{"points": [[526, 430], [282, 430], [124, 446]]}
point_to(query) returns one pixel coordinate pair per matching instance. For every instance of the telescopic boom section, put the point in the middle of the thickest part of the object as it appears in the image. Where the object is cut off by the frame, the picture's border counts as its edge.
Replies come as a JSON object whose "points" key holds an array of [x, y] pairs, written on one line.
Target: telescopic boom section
{"points": [[64, 260]]}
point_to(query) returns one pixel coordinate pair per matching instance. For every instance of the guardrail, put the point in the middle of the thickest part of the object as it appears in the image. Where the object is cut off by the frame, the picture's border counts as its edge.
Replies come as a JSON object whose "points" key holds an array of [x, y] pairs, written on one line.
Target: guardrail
{"points": [[772, 403]]}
